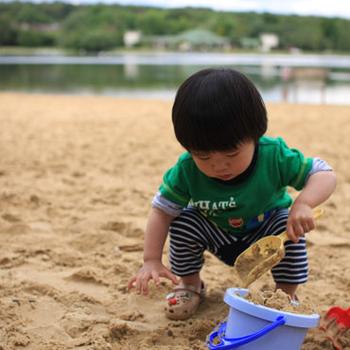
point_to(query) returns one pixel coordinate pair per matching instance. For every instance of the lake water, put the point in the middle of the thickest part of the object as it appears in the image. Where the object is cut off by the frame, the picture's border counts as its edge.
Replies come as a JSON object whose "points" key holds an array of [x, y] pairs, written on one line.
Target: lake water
{"points": [[297, 78]]}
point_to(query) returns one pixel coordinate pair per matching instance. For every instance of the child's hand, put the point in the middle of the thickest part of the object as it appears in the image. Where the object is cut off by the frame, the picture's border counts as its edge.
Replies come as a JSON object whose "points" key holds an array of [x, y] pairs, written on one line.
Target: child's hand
{"points": [[300, 221], [153, 269]]}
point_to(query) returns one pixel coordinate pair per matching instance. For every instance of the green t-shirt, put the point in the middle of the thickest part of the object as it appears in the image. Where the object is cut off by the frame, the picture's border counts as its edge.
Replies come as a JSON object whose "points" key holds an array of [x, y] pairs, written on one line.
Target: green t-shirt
{"points": [[233, 207]]}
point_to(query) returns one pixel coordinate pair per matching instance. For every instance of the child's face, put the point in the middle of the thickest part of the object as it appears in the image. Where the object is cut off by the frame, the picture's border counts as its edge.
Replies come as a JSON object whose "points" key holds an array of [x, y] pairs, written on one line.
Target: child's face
{"points": [[225, 165]]}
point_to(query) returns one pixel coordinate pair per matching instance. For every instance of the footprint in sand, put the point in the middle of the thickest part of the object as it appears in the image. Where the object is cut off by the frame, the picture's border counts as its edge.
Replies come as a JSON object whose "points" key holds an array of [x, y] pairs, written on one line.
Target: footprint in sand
{"points": [[18, 229], [13, 224], [132, 316], [38, 288], [11, 218], [123, 228], [78, 174], [88, 274], [115, 226], [120, 330], [11, 260], [76, 322], [138, 247], [34, 200]]}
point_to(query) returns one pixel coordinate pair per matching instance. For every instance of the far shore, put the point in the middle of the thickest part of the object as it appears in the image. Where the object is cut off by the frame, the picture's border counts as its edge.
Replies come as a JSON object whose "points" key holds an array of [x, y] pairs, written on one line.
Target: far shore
{"points": [[14, 55]]}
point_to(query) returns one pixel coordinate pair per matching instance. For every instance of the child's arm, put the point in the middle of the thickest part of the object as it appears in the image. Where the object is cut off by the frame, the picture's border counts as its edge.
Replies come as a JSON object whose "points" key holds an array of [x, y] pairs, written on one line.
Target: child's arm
{"points": [[318, 188], [155, 236]]}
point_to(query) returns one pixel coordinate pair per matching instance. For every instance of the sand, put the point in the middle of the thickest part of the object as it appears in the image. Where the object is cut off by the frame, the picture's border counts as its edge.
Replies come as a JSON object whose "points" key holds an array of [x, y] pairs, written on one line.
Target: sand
{"points": [[279, 300], [77, 175]]}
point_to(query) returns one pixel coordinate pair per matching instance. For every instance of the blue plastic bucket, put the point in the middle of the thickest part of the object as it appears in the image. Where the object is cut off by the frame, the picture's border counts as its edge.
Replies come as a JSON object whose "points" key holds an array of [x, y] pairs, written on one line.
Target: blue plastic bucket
{"points": [[254, 327]]}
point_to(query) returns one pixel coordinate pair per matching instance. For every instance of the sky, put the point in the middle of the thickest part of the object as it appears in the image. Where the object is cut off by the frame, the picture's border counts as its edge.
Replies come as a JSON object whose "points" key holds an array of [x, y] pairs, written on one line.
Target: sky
{"points": [[327, 8]]}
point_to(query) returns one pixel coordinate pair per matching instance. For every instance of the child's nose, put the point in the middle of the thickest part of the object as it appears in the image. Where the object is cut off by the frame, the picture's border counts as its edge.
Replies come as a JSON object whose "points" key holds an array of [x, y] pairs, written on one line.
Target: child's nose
{"points": [[220, 166]]}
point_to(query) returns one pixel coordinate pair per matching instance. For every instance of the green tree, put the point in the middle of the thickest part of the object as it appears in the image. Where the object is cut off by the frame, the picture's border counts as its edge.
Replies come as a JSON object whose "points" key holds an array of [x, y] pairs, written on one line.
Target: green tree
{"points": [[97, 40], [8, 31], [303, 32], [242, 27], [342, 42], [93, 28], [153, 22], [32, 14], [33, 38], [330, 33]]}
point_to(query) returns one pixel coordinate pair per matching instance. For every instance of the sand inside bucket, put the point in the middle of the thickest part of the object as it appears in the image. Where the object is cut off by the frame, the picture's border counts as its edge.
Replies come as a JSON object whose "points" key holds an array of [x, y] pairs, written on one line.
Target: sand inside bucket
{"points": [[279, 300]]}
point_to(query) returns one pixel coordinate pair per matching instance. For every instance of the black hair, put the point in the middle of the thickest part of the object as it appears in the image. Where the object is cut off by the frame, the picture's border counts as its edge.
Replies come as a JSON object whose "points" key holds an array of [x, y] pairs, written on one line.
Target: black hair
{"points": [[218, 109]]}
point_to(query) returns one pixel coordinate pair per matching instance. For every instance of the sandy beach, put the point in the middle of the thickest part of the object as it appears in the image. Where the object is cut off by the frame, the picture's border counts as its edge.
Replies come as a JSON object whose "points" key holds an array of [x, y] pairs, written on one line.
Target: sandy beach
{"points": [[77, 175]]}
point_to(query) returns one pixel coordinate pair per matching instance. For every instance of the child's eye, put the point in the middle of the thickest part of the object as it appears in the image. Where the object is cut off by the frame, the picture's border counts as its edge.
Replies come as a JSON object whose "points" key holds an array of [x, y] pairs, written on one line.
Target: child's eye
{"points": [[201, 156]]}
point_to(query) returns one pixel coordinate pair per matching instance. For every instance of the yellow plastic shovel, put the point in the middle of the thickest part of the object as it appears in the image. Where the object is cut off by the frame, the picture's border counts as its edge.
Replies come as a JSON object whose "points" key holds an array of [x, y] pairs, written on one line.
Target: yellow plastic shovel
{"points": [[263, 255]]}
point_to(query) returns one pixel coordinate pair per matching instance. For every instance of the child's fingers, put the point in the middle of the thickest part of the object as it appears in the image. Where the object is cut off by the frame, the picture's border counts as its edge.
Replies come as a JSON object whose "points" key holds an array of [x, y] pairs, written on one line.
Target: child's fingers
{"points": [[141, 283], [172, 277], [131, 283], [156, 278], [144, 284], [298, 229], [137, 285], [291, 233], [308, 225]]}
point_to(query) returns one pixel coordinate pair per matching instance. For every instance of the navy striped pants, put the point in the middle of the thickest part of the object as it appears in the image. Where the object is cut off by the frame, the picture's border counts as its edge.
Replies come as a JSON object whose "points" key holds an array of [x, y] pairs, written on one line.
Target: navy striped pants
{"points": [[191, 234]]}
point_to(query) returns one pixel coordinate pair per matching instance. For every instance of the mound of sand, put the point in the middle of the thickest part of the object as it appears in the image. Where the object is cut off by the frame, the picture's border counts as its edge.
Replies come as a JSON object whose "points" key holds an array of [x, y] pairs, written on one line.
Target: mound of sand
{"points": [[77, 175], [279, 300]]}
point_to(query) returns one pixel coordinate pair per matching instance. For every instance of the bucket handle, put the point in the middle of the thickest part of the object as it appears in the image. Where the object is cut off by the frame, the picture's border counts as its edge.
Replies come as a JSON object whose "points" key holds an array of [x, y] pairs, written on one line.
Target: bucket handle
{"points": [[218, 341]]}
